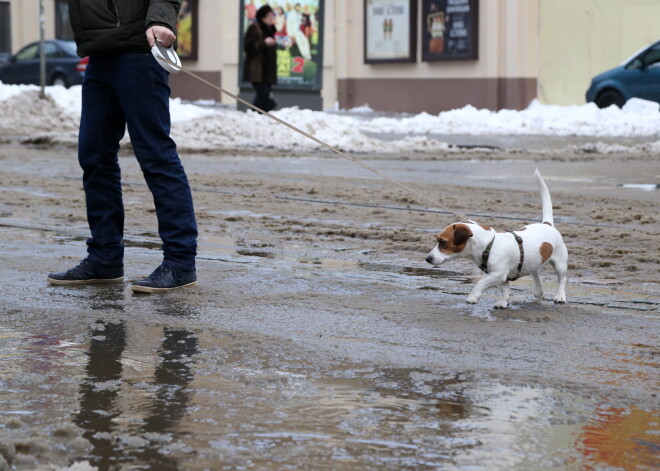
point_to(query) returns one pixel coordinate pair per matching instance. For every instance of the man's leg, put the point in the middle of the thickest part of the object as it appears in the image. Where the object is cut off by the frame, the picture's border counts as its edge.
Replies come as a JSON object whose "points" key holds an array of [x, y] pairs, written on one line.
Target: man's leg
{"points": [[102, 125], [142, 87]]}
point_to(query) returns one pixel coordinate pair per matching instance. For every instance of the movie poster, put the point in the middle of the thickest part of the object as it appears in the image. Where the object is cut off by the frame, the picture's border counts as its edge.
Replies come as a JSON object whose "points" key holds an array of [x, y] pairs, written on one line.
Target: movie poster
{"points": [[186, 30], [299, 37], [390, 30], [450, 30]]}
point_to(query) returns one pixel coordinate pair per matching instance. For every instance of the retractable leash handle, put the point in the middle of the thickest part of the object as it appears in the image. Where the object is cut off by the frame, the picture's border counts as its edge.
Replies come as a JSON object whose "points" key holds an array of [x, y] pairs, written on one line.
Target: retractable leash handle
{"points": [[174, 64], [168, 64]]}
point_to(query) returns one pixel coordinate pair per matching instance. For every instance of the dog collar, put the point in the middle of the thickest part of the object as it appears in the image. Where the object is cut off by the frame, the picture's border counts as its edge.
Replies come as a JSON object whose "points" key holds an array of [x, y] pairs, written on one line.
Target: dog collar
{"points": [[485, 255], [522, 254]]}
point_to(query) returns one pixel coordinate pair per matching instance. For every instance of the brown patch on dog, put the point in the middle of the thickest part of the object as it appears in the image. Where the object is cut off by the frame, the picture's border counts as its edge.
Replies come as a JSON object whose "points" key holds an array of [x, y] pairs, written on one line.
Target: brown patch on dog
{"points": [[546, 222], [546, 251], [522, 229], [486, 228], [454, 238]]}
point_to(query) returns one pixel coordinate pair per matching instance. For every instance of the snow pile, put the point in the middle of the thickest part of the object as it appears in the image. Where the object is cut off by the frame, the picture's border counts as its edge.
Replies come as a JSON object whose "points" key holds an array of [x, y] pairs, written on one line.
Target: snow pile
{"points": [[637, 118], [25, 113], [204, 128], [232, 129]]}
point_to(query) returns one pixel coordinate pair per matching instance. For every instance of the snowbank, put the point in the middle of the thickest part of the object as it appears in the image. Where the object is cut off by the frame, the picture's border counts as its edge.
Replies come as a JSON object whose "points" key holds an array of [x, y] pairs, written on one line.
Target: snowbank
{"points": [[205, 128], [637, 118]]}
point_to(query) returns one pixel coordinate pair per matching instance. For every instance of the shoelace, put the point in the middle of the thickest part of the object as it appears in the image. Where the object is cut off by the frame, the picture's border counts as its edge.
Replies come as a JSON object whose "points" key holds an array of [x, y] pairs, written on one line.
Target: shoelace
{"points": [[80, 266], [159, 272]]}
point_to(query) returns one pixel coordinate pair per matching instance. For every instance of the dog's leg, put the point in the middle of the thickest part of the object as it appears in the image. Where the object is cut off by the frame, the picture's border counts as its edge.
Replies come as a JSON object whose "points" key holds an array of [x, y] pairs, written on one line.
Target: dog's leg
{"points": [[560, 297], [503, 303], [538, 287], [490, 281], [560, 265]]}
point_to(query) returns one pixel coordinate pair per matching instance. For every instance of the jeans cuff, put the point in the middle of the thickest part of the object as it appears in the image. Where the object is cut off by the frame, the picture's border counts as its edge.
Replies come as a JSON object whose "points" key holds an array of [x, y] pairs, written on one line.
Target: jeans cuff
{"points": [[187, 267]]}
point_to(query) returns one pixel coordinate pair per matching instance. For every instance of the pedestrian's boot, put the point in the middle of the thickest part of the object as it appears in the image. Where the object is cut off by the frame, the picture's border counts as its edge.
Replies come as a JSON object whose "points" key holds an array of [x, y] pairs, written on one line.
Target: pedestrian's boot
{"points": [[165, 278], [88, 271]]}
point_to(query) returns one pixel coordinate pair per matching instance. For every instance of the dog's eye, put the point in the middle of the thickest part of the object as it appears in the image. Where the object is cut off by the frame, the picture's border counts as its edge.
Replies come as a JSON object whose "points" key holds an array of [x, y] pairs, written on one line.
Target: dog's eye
{"points": [[442, 242]]}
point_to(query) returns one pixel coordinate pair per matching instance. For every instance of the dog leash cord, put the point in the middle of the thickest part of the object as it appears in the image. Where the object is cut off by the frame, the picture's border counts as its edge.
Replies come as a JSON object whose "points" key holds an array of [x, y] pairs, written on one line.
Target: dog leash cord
{"points": [[309, 136]]}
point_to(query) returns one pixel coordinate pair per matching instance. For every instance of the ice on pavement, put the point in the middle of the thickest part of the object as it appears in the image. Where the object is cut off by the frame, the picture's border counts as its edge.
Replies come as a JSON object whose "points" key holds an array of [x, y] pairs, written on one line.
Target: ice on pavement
{"points": [[207, 128]]}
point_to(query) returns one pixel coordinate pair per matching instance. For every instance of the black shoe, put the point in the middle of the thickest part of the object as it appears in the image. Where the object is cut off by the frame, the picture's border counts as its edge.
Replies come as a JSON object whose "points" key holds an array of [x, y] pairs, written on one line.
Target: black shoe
{"points": [[165, 278], [88, 271]]}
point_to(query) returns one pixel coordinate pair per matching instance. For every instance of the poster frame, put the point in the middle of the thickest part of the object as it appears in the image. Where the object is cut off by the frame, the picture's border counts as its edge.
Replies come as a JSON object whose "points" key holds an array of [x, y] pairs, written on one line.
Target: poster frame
{"points": [[412, 40], [194, 33], [316, 85], [471, 55]]}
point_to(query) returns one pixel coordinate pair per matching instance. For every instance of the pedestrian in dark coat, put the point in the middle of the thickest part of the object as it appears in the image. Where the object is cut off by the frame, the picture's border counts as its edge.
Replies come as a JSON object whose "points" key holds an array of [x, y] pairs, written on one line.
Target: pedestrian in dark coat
{"points": [[260, 66], [125, 87]]}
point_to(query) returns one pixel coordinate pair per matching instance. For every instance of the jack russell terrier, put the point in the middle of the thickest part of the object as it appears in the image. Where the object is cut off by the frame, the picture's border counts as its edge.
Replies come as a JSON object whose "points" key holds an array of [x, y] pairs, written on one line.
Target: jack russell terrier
{"points": [[506, 256]]}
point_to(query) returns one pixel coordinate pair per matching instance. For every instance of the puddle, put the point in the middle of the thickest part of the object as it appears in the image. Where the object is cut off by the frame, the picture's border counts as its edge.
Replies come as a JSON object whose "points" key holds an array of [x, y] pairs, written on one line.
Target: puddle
{"points": [[594, 292], [638, 186], [297, 364], [410, 271], [128, 395], [29, 191]]}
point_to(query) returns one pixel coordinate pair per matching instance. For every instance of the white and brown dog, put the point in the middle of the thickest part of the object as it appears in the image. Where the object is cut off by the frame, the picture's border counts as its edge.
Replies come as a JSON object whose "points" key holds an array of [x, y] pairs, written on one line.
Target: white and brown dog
{"points": [[506, 256]]}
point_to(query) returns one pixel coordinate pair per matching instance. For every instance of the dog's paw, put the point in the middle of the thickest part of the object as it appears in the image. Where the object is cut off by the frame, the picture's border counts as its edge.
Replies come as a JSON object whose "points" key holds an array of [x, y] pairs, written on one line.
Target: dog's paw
{"points": [[560, 300], [538, 294], [472, 299], [501, 305]]}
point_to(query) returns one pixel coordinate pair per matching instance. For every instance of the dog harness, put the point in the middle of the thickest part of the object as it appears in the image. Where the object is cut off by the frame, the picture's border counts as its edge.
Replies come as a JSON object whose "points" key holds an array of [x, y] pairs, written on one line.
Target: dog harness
{"points": [[486, 254]]}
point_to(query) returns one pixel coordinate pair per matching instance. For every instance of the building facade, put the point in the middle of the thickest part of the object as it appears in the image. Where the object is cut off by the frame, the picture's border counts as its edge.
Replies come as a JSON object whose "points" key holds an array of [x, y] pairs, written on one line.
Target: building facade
{"points": [[404, 55]]}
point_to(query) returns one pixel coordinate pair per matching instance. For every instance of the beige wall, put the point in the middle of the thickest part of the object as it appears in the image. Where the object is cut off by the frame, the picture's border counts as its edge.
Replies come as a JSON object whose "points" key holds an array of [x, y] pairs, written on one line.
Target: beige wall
{"points": [[503, 76], [25, 21], [580, 39], [214, 52], [549, 48], [507, 44], [513, 54]]}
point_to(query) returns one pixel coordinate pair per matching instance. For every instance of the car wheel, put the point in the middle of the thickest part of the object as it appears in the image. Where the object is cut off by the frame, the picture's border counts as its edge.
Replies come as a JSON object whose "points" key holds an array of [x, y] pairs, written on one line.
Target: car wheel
{"points": [[59, 80], [609, 98]]}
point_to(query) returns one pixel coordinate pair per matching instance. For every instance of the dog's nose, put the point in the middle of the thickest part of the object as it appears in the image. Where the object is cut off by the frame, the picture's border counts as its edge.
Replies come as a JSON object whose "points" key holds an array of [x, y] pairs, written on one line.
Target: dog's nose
{"points": [[429, 259]]}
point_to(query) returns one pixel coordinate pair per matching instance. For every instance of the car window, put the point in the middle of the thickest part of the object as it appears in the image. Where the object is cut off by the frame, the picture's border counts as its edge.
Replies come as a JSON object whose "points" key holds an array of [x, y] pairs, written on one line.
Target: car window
{"points": [[28, 53], [52, 50], [652, 57], [69, 47]]}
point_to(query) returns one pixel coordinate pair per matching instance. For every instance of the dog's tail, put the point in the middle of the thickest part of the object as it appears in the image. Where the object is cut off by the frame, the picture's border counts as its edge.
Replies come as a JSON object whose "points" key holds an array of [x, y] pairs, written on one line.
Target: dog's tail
{"points": [[545, 198]]}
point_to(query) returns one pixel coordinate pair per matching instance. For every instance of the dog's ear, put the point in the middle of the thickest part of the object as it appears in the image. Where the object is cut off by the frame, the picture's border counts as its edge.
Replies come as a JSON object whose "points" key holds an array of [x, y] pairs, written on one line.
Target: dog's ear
{"points": [[461, 234]]}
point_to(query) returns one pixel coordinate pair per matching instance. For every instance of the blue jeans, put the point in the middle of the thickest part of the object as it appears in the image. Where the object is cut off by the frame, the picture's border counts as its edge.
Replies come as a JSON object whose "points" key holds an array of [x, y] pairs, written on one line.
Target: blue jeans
{"points": [[131, 90]]}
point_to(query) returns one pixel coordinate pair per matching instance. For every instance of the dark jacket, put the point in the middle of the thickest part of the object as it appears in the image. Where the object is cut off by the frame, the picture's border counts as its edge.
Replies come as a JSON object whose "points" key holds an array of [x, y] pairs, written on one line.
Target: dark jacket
{"points": [[107, 26], [260, 60]]}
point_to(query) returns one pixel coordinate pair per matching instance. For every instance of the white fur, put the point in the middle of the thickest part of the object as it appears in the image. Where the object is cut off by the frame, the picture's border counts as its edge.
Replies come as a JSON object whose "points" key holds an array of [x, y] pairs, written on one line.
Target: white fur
{"points": [[505, 253]]}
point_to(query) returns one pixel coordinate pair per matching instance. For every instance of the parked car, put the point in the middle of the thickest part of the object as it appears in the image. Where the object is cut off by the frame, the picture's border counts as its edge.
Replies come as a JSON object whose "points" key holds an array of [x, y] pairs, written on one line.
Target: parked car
{"points": [[636, 77], [63, 66]]}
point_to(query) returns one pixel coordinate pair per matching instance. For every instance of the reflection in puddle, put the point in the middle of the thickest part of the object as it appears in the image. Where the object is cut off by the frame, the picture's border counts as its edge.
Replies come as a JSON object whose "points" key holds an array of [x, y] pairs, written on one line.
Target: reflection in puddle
{"points": [[639, 186], [623, 439], [115, 437], [411, 271], [166, 398]]}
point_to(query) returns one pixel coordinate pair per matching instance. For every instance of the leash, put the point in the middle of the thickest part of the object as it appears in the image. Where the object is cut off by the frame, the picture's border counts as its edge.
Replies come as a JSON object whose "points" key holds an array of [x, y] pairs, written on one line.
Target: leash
{"points": [[309, 136]]}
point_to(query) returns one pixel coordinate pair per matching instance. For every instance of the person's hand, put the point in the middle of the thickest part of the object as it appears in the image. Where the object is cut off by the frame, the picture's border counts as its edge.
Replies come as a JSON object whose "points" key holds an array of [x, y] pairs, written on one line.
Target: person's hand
{"points": [[270, 41], [164, 35]]}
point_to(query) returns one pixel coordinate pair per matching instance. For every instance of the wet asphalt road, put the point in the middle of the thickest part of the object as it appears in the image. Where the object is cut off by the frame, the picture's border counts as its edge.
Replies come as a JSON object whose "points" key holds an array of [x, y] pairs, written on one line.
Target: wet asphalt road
{"points": [[286, 359]]}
